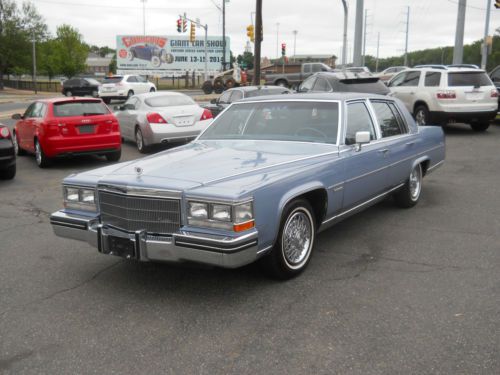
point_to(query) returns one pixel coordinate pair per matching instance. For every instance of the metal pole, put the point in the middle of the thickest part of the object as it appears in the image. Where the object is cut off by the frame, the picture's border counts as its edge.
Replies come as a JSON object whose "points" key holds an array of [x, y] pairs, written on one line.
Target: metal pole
{"points": [[344, 42], [378, 46], [484, 57], [407, 32], [277, 39], [223, 35], [294, 43], [458, 51], [364, 38], [143, 17], [34, 65], [206, 53], [258, 40], [358, 33]]}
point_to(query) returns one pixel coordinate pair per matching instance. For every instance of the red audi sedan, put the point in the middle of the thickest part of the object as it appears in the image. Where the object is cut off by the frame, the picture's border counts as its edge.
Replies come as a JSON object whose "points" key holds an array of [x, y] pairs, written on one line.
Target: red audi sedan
{"points": [[59, 127]]}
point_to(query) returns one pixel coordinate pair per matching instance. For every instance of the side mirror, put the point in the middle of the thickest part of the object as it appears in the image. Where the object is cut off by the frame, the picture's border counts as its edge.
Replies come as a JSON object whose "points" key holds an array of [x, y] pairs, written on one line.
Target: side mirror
{"points": [[361, 139], [17, 116], [213, 101]]}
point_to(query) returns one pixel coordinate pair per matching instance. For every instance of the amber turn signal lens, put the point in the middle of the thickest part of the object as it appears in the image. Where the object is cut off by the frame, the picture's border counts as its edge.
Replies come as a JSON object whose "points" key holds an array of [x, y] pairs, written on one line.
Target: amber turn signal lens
{"points": [[244, 226]]}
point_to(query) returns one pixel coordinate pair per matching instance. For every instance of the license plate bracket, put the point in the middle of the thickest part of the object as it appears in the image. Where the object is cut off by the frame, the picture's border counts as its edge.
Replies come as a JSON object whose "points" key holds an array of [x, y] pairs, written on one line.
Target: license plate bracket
{"points": [[122, 247]]}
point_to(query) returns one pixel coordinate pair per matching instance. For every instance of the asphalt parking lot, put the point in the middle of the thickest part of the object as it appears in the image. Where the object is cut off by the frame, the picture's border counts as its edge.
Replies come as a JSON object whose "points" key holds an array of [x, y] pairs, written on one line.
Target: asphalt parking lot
{"points": [[388, 291]]}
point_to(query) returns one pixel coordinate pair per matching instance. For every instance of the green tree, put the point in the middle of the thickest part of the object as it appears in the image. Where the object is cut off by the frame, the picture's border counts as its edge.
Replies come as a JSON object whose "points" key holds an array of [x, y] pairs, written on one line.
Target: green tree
{"points": [[112, 65], [245, 60], [47, 60], [70, 52]]}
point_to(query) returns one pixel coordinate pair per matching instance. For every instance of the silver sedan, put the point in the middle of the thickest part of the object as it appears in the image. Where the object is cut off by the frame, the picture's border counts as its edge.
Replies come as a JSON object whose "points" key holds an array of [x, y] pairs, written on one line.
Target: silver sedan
{"points": [[161, 117]]}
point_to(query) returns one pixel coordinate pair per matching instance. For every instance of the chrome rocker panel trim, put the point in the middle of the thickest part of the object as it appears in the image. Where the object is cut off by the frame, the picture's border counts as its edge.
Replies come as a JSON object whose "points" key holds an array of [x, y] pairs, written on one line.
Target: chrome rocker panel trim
{"points": [[222, 251]]}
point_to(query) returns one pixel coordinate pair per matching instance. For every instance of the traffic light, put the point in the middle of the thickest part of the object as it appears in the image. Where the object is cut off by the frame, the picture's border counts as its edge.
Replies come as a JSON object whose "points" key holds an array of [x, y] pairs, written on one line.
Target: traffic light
{"points": [[250, 32], [179, 25], [283, 49], [497, 4], [192, 33], [184, 25]]}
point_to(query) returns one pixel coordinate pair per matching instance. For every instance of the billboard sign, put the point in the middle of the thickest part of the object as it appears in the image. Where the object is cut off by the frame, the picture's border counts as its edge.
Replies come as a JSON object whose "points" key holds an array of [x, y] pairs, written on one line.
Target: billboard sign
{"points": [[157, 55]]}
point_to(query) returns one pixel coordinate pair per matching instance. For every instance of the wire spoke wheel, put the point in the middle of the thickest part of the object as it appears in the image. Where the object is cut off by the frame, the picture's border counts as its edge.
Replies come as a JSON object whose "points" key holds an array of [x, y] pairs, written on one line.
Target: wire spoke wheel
{"points": [[297, 239]]}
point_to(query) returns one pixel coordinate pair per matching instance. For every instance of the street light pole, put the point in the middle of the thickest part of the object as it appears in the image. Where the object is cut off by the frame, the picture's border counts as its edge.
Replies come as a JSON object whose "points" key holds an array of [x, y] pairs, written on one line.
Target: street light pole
{"points": [[223, 35], [258, 40], [294, 43], [344, 42], [34, 64], [484, 56], [277, 39]]}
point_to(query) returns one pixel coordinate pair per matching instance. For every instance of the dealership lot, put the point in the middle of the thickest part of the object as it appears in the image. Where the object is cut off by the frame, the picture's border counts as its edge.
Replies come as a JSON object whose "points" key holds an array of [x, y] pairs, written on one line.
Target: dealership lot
{"points": [[387, 291]]}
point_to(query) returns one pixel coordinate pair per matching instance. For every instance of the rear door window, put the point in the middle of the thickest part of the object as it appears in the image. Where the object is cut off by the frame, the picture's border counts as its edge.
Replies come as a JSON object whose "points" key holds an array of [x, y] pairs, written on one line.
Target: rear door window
{"points": [[387, 120], [132, 79], [83, 108], [358, 119], [476, 79]]}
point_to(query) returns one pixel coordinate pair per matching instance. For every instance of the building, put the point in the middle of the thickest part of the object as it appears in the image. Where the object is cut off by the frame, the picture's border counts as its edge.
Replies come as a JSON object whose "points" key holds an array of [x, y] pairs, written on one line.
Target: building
{"points": [[97, 65], [329, 60]]}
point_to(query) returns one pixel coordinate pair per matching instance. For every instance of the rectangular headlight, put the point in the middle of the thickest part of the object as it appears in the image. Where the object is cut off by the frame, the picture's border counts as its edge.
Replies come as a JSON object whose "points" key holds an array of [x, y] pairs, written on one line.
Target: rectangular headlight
{"points": [[79, 198], [198, 210], [243, 212], [220, 212]]}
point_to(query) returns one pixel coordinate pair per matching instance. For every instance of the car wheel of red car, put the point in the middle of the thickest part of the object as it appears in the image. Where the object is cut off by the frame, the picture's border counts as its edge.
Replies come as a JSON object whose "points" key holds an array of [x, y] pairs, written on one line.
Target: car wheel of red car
{"points": [[17, 149], [41, 160], [114, 156], [293, 249]]}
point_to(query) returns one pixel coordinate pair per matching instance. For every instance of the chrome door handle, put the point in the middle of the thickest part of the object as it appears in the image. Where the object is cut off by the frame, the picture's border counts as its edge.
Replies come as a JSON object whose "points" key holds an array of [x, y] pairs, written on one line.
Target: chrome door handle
{"points": [[410, 143], [384, 151]]}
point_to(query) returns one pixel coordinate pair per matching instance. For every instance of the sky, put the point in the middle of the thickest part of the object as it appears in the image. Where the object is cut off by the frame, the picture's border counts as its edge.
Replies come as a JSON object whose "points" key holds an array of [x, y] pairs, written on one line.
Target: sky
{"points": [[319, 23]]}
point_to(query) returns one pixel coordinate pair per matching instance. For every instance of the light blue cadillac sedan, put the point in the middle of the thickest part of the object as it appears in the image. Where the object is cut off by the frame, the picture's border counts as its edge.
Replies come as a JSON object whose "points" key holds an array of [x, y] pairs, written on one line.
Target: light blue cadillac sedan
{"points": [[258, 184]]}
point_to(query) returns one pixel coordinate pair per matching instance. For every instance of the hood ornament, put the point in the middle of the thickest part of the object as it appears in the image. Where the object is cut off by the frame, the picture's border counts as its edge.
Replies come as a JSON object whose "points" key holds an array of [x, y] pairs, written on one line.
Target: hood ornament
{"points": [[138, 170]]}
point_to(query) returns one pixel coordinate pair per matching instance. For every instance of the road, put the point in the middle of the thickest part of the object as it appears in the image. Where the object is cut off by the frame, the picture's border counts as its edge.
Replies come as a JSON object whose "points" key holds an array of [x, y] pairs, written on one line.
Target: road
{"points": [[388, 291]]}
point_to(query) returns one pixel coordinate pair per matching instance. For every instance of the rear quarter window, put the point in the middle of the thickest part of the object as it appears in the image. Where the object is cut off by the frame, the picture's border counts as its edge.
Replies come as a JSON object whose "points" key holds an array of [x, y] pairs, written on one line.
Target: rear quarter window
{"points": [[476, 79], [83, 108], [432, 79]]}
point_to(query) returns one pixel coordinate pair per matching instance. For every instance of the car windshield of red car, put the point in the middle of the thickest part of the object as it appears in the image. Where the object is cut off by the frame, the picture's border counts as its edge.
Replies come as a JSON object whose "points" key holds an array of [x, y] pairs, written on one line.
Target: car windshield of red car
{"points": [[83, 108]]}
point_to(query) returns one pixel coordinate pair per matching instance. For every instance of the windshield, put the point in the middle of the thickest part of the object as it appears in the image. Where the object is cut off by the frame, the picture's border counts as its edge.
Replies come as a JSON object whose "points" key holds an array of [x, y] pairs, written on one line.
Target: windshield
{"points": [[84, 108], [476, 79], [114, 79], [278, 121], [169, 101], [267, 91], [370, 85]]}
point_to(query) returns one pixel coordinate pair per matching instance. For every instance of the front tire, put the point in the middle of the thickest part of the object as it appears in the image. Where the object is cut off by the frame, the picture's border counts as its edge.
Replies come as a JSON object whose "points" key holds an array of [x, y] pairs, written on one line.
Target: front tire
{"points": [[480, 126], [421, 115], [129, 94], [9, 173], [41, 159], [69, 93], [292, 252], [281, 83], [152, 89], [409, 195]]}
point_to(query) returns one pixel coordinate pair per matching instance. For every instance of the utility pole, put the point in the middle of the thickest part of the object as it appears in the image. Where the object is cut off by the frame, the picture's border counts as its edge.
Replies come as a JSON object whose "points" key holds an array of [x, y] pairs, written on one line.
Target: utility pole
{"points": [[364, 38], [294, 43], [277, 39], [223, 35], [378, 45], [458, 51], [197, 22], [484, 56], [344, 41], [407, 33], [358, 33], [143, 17], [34, 63], [258, 40]]}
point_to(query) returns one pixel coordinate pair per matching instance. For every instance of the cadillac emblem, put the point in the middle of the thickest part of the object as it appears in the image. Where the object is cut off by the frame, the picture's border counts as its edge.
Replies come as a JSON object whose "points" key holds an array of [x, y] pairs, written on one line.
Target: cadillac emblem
{"points": [[138, 170]]}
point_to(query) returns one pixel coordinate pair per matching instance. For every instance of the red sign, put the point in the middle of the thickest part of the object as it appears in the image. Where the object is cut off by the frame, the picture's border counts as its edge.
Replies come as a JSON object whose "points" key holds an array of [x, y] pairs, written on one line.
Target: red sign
{"points": [[130, 41]]}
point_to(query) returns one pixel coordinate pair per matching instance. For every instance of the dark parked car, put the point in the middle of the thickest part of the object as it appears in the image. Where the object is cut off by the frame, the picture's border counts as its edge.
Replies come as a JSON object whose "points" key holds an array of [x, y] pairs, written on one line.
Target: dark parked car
{"points": [[343, 82], [495, 77], [81, 87], [149, 52], [237, 93], [7, 154]]}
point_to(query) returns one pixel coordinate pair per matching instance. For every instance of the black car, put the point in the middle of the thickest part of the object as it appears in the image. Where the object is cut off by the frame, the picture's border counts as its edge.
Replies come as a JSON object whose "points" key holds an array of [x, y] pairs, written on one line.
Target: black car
{"points": [[343, 82], [7, 154], [237, 93], [81, 87], [495, 77]]}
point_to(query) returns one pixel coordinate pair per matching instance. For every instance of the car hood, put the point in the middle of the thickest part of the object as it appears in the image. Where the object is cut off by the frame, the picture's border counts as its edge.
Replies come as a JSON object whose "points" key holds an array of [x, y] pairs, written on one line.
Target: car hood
{"points": [[209, 163]]}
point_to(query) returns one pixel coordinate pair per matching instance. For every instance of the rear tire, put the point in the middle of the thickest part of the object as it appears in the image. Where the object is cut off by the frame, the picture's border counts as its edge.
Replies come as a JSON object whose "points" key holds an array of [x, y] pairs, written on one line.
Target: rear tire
{"points": [[41, 160], [68, 93], [152, 89], [207, 87], [9, 173], [421, 115], [293, 249], [139, 141], [114, 156], [130, 93], [480, 126], [409, 195]]}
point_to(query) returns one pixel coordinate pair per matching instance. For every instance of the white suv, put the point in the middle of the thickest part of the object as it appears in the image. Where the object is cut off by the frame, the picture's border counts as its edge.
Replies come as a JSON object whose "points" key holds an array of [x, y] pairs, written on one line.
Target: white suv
{"points": [[442, 95], [123, 87]]}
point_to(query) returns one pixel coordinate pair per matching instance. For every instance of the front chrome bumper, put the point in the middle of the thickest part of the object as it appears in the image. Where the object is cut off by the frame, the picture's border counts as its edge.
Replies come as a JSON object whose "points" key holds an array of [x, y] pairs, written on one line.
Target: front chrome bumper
{"points": [[223, 251]]}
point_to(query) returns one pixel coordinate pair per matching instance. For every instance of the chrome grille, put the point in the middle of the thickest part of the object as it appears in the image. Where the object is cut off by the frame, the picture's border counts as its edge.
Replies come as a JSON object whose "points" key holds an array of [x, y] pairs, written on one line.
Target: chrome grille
{"points": [[132, 213]]}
